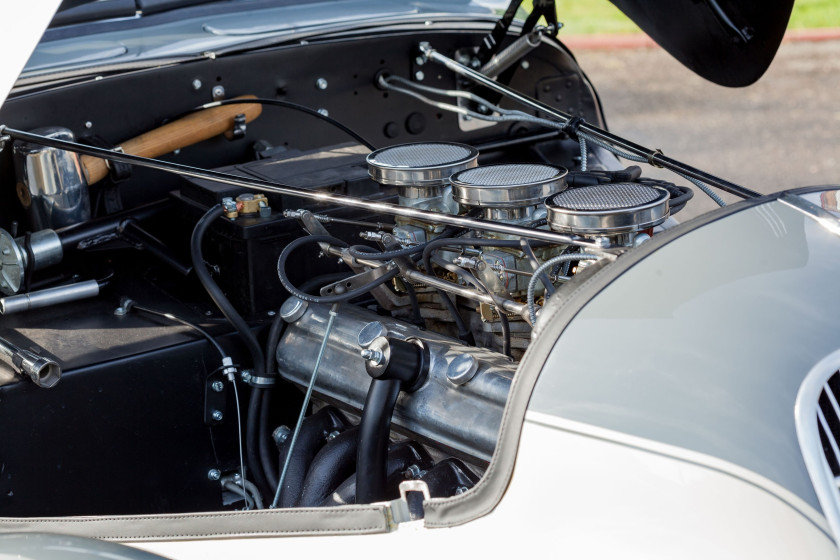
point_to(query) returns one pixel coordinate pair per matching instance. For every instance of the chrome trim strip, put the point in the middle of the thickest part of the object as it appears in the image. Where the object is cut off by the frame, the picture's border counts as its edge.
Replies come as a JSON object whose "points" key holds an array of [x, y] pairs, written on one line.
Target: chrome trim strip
{"points": [[806, 413]]}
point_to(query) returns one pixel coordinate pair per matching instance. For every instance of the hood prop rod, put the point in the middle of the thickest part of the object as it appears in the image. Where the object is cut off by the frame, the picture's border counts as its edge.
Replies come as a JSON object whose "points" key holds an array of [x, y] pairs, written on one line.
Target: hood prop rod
{"points": [[654, 157], [322, 197]]}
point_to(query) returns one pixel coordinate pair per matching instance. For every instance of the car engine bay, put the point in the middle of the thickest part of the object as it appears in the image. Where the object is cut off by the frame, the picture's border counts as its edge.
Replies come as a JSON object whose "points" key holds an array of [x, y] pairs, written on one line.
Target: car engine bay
{"points": [[325, 296]]}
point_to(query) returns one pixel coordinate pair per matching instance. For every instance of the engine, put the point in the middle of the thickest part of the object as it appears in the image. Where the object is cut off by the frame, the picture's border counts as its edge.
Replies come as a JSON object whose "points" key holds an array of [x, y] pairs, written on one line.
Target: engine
{"points": [[361, 312]]}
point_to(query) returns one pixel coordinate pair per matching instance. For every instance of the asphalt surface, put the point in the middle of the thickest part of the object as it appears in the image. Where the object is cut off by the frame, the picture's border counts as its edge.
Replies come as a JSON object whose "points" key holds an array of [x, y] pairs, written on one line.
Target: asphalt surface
{"points": [[781, 132]]}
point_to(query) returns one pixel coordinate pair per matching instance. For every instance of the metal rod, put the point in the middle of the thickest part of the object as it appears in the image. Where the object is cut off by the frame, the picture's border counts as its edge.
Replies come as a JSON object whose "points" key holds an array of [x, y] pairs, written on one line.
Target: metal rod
{"points": [[305, 405], [271, 187], [44, 372], [435, 282], [655, 157], [510, 306], [48, 297]]}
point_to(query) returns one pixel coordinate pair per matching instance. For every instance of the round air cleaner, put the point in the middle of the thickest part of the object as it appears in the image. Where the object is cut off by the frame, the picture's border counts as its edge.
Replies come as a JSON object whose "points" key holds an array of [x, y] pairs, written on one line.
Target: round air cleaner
{"points": [[607, 209], [507, 185], [420, 169]]}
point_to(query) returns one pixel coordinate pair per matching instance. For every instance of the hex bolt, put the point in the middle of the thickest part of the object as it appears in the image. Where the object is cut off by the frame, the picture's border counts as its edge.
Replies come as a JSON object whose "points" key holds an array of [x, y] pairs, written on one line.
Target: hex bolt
{"points": [[214, 474], [413, 472], [280, 435], [217, 415], [374, 356], [218, 386], [332, 435], [321, 83], [196, 84]]}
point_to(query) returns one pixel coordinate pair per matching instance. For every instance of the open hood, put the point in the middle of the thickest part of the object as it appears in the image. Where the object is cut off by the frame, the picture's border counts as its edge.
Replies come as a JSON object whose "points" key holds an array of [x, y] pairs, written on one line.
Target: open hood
{"points": [[729, 42]]}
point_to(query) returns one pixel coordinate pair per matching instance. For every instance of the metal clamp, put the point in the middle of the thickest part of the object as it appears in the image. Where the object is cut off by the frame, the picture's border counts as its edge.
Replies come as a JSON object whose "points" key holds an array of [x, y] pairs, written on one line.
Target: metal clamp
{"points": [[651, 157], [239, 127], [117, 149]]}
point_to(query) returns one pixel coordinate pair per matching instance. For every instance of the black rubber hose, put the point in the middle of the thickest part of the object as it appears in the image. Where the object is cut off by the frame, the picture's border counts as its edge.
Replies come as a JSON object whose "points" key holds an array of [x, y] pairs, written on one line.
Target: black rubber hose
{"points": [[337, 298], [416, 316], [535, 264], [252, 423], [215, 292], [330, 467], [268, 454], [366, 252], [309, 441], [374, 434]]}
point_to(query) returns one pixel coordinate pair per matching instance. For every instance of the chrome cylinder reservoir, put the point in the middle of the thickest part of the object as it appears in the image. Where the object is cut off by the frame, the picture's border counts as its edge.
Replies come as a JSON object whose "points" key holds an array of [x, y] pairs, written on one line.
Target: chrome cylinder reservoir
{"points": [[50, 182], [510, 192], [421, 174], [608, 210]]}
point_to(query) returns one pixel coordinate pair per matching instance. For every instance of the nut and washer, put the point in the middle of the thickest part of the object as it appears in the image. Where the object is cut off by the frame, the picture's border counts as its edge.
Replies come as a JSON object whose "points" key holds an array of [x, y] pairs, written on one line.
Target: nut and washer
{"points": [[214, 474], [217, 415], [218, 386]]}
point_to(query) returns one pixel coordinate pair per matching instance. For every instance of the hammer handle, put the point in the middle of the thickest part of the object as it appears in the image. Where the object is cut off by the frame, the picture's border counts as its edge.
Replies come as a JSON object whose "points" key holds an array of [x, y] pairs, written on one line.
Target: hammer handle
{"points": [[186, 131]]}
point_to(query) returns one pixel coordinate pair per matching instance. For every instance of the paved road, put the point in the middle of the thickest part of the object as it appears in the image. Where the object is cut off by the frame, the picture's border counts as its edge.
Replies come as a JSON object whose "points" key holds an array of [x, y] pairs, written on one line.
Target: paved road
{"points": [[782, 132]]}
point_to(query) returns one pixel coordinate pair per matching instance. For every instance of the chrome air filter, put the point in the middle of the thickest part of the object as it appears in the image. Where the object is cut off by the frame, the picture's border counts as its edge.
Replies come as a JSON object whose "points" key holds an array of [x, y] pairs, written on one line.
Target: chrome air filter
{"points": [[607, 209], [507, 185], [420, 169]]}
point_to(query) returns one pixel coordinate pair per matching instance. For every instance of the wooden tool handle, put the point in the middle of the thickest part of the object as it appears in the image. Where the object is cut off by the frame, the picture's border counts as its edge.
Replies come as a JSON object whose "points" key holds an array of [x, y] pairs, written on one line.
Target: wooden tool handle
{"points": [[184, 132]]}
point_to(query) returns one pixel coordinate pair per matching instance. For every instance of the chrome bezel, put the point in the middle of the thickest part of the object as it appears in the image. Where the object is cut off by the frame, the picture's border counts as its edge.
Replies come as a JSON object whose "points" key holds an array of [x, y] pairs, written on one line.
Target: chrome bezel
{"points": [[513, 195], [807, 418], [608, 221], [418, 179]]}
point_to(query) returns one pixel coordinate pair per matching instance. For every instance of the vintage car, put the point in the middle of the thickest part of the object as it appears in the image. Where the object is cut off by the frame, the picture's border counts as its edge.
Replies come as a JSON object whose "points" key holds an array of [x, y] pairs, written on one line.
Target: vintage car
{"points": [[354, 278]]}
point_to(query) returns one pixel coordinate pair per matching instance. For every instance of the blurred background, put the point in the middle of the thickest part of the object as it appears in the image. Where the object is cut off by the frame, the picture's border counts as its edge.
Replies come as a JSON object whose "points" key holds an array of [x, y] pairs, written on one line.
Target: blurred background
{"points": [[779, 133]]}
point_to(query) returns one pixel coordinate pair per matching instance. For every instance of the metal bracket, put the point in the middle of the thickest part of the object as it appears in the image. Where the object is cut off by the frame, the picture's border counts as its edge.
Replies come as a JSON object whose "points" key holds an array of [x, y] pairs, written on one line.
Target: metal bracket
{"points": [[353, 282], [239, 126]]}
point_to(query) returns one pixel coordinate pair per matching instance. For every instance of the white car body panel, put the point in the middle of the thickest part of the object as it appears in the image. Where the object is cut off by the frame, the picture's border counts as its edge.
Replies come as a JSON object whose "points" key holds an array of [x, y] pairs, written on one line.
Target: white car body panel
{"points": [[611, 496]]}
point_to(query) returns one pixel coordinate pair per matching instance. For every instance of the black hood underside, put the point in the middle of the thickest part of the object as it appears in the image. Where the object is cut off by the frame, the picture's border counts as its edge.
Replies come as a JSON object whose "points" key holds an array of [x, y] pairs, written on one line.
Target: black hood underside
{"points": [[729, 42]]}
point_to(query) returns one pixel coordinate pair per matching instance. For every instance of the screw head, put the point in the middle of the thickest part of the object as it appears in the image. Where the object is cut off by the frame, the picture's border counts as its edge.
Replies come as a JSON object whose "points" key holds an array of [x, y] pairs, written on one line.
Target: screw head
{"points": [[323, 111], [88, 124], [214, 474], [419, 75], [217, 415], [218, 386], [525, 65], [196, 84], [281, 434], [321, 83], [218, 93]]}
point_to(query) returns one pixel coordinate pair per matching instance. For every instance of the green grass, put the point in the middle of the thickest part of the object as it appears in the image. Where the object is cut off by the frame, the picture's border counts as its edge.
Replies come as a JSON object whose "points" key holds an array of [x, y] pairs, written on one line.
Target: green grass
{"points": [[600, 16]]}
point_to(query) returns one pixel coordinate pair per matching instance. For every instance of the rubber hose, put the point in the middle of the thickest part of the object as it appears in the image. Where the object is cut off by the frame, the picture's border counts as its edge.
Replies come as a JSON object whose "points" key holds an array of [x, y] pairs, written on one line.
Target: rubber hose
{"points": [[200, 268], [374, 436], [330, 467], [284, 279]]}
